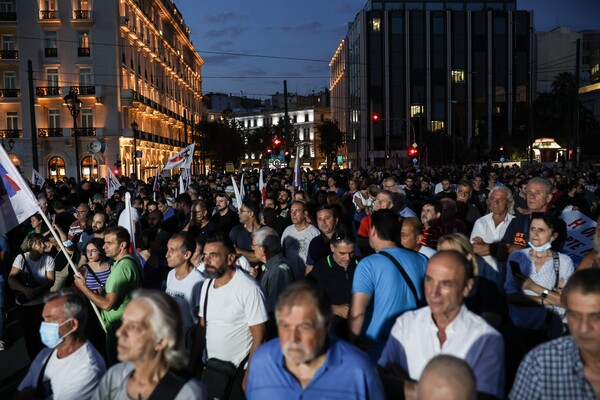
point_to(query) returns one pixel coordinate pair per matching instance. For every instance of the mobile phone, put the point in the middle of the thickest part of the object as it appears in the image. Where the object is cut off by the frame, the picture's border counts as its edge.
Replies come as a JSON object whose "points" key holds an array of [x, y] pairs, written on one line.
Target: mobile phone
{"points": [[515, 268]]}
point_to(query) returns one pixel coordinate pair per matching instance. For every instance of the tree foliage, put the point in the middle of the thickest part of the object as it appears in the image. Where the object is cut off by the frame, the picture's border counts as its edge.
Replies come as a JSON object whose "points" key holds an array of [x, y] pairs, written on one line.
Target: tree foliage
{"points": [[331, 139], [221, 141]]}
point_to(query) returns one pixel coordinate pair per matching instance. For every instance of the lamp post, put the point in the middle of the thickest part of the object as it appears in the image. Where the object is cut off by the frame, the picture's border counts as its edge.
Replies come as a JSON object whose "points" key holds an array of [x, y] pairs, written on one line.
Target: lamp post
{"points": [[74, 106], [11, 143], [134, 127]]}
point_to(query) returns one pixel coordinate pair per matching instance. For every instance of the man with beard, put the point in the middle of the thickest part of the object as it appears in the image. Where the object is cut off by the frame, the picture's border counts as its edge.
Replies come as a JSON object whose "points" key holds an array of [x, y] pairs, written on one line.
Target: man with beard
{"points": [[200, 224], [232, 312], [99, 225], [183, 206], [327, 220], [283, 198], [224, 217], [306, 362]]}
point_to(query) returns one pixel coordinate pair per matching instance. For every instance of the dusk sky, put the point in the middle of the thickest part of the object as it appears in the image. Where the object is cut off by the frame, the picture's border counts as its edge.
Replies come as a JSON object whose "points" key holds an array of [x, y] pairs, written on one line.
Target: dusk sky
{"points": [[250, 47]]}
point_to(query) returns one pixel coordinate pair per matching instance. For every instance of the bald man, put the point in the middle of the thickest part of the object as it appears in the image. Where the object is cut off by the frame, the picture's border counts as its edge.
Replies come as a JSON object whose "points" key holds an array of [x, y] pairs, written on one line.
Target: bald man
{"points": [[447, 378]]}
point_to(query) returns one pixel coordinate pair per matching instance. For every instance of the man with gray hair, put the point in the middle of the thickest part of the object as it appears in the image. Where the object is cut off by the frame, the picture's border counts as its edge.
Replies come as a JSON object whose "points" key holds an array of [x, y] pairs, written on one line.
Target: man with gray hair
{"points": [[51, 374], [306, 362], [277, 274]]}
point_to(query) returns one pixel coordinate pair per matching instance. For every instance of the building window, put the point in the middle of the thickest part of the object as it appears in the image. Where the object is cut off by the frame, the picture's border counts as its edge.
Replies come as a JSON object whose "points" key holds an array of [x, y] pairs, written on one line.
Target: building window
{"points": [[416, 110], [10, 80], [6, 6], [83, 43], [12, 121], [458, 76], [255, 122], [52, 74], [376, 24], [306, 118], [87, 118], [54, 118], [50, 44], [437, 126], [56, 166], [8, 42], [85, 76]]}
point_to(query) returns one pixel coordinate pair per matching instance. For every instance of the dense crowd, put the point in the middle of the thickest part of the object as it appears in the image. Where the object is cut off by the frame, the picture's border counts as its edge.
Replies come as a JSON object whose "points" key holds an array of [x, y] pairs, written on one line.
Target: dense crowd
{"points": [[429, 283]]}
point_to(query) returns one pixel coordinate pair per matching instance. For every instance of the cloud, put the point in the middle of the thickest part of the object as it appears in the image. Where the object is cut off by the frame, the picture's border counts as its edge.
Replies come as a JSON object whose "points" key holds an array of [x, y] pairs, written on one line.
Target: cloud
{"points": [[309, 27], [217, 59], [234, 31], [257, 71], [222, 18], [220, 45]]}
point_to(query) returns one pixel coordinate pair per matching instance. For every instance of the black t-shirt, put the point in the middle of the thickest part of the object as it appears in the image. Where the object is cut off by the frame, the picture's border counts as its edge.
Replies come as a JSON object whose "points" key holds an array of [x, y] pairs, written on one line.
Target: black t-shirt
{"points": [[226, 222], [518, 232], [317, 249], [335, 280]]}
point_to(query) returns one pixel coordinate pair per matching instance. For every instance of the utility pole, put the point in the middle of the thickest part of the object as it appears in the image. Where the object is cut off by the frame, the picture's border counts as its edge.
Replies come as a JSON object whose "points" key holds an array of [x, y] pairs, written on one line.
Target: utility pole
{"points": [[34, 151], [575, 104]]}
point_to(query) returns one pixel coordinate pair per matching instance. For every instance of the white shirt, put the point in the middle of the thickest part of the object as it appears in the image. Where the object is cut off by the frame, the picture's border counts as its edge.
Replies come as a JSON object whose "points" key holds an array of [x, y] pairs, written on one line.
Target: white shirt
{"points": [[186, 292], [486, 228], [295, 244], [231, 310], [414, 342], [427, 251]]}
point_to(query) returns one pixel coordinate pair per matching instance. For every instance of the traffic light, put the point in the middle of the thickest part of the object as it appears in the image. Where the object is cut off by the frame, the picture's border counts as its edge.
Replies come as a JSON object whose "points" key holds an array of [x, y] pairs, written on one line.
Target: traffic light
{"points": [[269, 151], [276, 141], [413, 152], [375, 117], [117, 171]]}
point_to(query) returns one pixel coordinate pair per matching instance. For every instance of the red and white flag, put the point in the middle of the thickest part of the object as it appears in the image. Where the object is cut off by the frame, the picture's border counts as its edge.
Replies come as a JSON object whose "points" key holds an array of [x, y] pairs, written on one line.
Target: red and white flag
{"points": [[17, 202], [183, 159], [297, 170], [112, 184]]}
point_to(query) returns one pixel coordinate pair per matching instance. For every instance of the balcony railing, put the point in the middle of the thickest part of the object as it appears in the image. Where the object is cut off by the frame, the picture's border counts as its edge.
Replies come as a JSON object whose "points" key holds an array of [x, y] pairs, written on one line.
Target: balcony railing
{"points": [[9, 54], [10, 92], [48, 14], [81, 14], [51, 52], [11, 133], [50, 132], [83, 51], [84, 90], [84, 132], [8, 16], [47, 91]]}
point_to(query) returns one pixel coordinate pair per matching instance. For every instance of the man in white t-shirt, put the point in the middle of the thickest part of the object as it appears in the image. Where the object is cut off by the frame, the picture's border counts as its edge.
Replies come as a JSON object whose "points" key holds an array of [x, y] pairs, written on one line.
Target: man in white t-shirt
{"points": [[233, 318], [70, 367], [184, 282], [296, 239]]}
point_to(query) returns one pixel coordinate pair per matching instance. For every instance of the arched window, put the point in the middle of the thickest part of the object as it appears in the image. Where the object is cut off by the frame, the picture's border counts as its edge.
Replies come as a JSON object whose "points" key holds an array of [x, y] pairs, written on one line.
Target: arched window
{"points": [[86, 167], [56, 166]]}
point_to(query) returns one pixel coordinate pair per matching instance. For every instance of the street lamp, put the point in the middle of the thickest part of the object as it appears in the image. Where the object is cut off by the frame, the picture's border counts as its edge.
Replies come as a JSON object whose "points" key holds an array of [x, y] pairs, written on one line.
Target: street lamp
{"points": [[74, 106], [134, 127], [11, 143]]}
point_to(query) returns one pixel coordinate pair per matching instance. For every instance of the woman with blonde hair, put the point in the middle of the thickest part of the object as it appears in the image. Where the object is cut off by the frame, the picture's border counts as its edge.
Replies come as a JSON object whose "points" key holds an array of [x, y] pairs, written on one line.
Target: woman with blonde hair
{"points": [[484, 299], [592, 259]]}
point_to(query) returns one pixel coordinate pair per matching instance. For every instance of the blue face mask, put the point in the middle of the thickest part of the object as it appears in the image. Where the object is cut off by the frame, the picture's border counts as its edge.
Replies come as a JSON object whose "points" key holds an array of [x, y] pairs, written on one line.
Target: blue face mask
{"points": [[541, 248], [50, 335]]}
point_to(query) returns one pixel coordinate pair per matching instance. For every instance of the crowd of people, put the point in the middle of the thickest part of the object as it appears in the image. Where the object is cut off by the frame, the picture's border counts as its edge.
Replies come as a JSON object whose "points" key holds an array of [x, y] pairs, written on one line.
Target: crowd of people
{"points": [[417, 283]]}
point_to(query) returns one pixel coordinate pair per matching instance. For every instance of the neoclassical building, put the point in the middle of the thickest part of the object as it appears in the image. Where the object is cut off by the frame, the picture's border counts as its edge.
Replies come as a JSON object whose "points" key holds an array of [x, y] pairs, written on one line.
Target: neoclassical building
{"points": [[126, 61]]}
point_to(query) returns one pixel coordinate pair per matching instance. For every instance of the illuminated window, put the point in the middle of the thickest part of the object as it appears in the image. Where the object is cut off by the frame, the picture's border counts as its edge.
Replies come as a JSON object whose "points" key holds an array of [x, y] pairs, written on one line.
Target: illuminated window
{"points": [[437, 126], [416, 110], [458, 76], [376, 24], [595, 69]]}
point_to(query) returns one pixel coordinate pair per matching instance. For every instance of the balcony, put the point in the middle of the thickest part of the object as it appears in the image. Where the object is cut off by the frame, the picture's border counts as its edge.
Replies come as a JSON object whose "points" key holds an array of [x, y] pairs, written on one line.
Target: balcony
{"points": [[8, 16], [43, 91], [83, 52], [9, 54], [51, 52], [88, 131], [10, 93], [84, 90], [11, 133], [82, 14], [50, 132], [48, 14]]}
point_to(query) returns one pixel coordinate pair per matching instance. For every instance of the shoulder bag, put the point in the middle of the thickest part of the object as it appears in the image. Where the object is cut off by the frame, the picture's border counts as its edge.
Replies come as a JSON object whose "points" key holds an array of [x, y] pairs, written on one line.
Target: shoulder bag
{"points": [[420, 303]]}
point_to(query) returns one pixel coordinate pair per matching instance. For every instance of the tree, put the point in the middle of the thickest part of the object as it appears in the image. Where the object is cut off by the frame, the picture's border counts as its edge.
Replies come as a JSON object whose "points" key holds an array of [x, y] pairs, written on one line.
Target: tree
{"points": [[222, 141], [331, 139]]}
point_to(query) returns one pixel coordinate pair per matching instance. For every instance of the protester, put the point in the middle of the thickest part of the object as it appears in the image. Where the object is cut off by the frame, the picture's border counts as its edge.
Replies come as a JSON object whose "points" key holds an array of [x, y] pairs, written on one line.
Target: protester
{"points": [[151, 352], [69, 367], [447, 378], [296, 239]]}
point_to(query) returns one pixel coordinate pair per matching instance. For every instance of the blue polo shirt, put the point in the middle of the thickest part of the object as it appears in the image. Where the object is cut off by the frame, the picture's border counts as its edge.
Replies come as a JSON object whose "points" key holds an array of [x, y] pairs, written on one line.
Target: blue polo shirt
{"points": [[346, 374]]}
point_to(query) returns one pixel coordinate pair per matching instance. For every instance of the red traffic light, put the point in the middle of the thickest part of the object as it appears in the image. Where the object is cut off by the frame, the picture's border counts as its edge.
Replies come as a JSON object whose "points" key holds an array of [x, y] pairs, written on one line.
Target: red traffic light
{"points": [[276, 141], [269, 151], [375, 117], [117, 172], [413, 152]]}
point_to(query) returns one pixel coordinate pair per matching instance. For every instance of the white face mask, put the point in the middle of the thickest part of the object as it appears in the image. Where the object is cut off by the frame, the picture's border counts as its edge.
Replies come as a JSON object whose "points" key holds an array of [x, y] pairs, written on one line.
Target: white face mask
{"points": [[541, 248]]}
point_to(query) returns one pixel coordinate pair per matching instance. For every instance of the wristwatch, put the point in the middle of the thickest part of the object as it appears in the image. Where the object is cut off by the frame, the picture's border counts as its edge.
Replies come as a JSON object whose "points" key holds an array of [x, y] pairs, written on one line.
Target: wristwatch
{"points": [[544, 294]]}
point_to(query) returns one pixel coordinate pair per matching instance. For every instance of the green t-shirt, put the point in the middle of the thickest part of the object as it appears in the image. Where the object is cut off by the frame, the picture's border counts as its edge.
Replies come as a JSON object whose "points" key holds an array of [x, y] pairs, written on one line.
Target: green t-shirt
{"points": [[124, 278]]}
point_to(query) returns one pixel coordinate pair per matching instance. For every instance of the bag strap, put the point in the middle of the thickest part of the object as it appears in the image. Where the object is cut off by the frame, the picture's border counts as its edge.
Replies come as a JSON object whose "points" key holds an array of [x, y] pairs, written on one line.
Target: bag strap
{"points": [[167, 387], [409, 282], [556, 262], [90, 270], [206, 303], [42, 372]]}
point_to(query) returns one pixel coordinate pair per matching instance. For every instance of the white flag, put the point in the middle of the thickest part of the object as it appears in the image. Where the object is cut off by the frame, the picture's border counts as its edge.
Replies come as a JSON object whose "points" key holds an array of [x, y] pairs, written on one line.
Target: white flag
{"points": [[242, 188], [129, 219], [37, 179], [297, 170], [183, 159], [183, 180], [236, 190], [261, 185], [112, 184], [17, 202]]}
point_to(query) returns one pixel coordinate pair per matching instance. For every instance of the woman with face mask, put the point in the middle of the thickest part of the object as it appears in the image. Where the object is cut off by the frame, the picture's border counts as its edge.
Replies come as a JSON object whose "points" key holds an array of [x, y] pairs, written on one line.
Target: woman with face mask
{"points": [[534, 281], [31, 277]]}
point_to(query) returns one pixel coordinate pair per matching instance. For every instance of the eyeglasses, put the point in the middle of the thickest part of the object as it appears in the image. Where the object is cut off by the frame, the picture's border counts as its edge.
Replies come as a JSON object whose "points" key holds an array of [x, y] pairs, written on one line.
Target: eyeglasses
{"points": [[245, 211], [92, 251]]}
